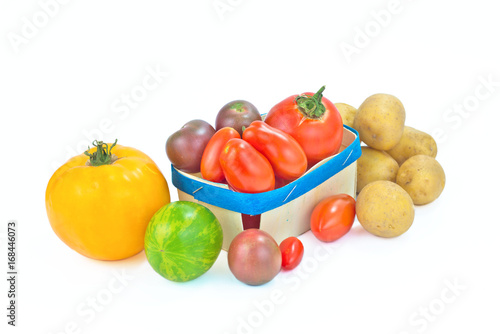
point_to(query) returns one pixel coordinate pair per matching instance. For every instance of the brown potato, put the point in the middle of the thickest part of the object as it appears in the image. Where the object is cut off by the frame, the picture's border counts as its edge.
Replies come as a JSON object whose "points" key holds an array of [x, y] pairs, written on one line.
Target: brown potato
{"points": [[374, 165], [422, 177], [413, 142], [380, 121], [347, 112], [385, 209]]}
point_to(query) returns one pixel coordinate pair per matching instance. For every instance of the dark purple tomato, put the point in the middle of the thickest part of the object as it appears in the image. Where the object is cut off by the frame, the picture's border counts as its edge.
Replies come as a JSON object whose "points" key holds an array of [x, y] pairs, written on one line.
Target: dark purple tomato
{"points": [[185, 146], [237, 114], [254, 257]]}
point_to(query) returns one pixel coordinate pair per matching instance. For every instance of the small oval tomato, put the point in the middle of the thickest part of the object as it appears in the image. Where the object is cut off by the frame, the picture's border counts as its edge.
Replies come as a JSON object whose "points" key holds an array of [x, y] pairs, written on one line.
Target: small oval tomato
{"points": [[292, 251], [333, 217], [283, 152], [246, 169], [210, 165], [313, 121]]}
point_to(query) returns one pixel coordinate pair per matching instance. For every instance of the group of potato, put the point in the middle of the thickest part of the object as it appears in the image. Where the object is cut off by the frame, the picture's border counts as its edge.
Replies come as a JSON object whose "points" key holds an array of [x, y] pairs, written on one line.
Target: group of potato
{"points": [[397, 168]]}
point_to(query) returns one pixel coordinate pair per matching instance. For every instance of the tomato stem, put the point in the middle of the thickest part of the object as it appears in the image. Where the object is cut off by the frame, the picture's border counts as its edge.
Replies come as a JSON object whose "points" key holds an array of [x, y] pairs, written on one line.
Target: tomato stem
{"points": [[102, 155], [311, 106]]}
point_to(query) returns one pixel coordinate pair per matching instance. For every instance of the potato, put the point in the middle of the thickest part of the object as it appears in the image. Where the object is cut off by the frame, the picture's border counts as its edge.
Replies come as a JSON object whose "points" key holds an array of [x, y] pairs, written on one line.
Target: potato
{"points": [[385, 209], [422, 177], [413, 142], [380, 121], [347, 112], [374, 165]]}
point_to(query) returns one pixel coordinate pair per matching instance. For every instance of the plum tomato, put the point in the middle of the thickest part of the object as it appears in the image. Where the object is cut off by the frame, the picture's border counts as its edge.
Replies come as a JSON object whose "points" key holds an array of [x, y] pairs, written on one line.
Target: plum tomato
{"points": [[210, 165], [333, 217], [283, 152], [292, 251], [246, 170]]}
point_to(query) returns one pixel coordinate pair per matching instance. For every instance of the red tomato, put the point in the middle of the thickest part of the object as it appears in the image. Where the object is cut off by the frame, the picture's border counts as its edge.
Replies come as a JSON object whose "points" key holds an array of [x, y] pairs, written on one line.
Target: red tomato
{"points": [[313, 121], [210, 165], [283, 152], [246, 169], [333, 217], [292, 252]]}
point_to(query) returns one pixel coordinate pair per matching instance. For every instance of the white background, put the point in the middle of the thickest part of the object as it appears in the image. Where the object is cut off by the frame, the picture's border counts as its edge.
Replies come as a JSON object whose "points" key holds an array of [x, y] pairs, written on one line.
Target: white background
{"points": [[63, 81]]}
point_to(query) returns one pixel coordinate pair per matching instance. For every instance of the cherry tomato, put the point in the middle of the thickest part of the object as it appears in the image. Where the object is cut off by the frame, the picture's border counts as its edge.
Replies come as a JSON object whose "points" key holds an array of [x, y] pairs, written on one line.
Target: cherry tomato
{"points": [[246, 169], [313, 121], [292, 251], [210, 165], [283, 152], [333, 217]]}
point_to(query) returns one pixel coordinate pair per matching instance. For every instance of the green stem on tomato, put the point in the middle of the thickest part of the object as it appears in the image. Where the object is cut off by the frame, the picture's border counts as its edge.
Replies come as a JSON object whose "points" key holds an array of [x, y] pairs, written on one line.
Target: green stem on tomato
{"points": [[102, 155], [311, 106]]}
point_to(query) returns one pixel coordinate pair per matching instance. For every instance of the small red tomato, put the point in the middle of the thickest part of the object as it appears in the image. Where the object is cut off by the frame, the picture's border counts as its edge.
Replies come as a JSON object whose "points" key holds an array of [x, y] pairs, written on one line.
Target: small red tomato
{"points": [[333, 217], [246, 169], [292, 251], [210, 165]]}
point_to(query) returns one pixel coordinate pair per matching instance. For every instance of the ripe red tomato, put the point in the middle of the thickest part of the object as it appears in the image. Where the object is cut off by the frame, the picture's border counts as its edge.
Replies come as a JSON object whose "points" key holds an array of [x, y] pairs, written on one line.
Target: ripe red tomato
{"points": [[210, 165], [283, 152], [313, 121], [333, 217], [292, 251], [246, 169]]}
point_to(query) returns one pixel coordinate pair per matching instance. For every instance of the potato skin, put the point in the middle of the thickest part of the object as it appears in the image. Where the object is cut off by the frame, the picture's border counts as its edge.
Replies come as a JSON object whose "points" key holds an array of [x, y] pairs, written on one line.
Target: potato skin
{"points": [[385, 209], [347, 112], [380, 121], [374, 165], [413, 142], [422, 177]]}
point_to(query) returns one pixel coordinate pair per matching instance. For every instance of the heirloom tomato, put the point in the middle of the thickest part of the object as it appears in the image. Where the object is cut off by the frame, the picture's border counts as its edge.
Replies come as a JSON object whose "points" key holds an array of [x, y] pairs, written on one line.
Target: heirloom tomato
{"points": [[169, 245], [100, 203], [254, 257], [313, 121], [236, 114], [185, 146]]}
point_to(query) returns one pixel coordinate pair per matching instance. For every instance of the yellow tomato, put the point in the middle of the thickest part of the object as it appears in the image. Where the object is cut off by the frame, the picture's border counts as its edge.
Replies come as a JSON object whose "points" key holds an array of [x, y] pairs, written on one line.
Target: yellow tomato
{"points": [[99, 203]]}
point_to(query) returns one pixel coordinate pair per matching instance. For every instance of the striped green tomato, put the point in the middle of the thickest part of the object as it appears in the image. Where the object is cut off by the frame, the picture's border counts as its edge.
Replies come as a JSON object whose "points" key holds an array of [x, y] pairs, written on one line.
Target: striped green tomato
{"points": [[183, 240]]}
